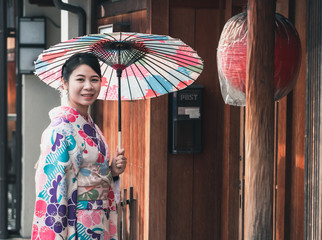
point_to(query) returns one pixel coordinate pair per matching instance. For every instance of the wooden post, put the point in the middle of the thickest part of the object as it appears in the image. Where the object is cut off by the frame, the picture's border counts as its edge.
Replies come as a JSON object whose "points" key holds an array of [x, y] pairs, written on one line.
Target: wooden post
{"points": [[133, 218], [119, 219], [124, 215], [156, 158], [259, 127]]}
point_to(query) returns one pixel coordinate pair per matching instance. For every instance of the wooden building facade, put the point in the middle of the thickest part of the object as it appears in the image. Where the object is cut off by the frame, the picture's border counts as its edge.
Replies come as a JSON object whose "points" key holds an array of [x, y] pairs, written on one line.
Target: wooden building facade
{"points": [[200, 196]]}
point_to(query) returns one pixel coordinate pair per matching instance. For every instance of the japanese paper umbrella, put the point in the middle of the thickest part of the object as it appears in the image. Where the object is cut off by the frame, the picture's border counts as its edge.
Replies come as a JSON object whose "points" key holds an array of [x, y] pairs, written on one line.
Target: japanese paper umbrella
{"points": [[134, 65]]}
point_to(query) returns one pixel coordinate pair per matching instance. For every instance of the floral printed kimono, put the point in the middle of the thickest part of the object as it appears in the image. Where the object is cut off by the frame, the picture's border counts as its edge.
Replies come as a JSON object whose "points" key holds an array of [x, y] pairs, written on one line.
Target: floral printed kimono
{"points": [[75, 191]]}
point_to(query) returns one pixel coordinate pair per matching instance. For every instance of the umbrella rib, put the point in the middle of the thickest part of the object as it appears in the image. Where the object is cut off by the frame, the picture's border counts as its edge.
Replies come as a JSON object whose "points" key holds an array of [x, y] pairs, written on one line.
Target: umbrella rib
{"points": [[174, 70], [52, 66], [161, 76], [163, 56], [137, 81], [51, 50], [54, 81], [147, 81], [81, 44], [134, 56], [49, 76], [110, 35], [147, 37], [71, 44], [65, 48], [101, 65], [125, 39], [57, 64], [65, 56], [162, 38], [91, 38], [108, 86], [48, 70], [155, 77], [166, 44], [161, 46], [174, 61], [176, 55], [103, 74], [152, 57], [128, 84]]}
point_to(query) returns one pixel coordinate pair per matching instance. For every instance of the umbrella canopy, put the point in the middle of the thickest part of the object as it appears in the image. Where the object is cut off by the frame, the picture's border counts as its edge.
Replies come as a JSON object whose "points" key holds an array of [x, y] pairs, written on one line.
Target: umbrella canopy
{"points": [[134, 66], [152, 65]]}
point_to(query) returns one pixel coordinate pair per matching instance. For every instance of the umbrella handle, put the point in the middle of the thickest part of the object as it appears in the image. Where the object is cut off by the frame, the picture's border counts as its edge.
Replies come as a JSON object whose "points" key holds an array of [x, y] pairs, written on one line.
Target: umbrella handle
{"points": [[119, 140], [119, 74]]}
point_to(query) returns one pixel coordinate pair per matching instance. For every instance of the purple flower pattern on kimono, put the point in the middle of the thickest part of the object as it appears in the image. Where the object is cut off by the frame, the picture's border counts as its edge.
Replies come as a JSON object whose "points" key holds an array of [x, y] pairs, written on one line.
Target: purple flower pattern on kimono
{"points": [[63, 151], [54, 178]]}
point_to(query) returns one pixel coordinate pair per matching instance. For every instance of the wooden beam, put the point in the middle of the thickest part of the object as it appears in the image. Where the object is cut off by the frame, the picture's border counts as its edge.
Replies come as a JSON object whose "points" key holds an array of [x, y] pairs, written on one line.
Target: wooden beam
{"points": [[195, 4], [110, 8], [259, 127], [313, 132], [158, 16], [294, 202], [156, 155]]}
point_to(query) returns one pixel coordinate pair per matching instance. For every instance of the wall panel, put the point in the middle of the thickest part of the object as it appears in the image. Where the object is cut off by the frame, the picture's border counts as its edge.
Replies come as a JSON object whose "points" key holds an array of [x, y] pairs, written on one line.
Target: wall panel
{"points": [[208, 167], [195, 196], [180, 166], [294, 203], [195, 193]]}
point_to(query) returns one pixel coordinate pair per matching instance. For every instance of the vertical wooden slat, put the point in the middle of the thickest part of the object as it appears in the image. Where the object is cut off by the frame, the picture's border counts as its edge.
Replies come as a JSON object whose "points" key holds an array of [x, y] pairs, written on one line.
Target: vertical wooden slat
{"points": [[241, 175], [157, 119], [157, 190], [230, 195], [280, 169], [207, 188], [230, 192], [282, 7], [136, 165], [180, 185], [124, 215], [259, 127], [313, 153], [133, 216], [119, 220], [127, 119], [294, 203], [138, 136]]}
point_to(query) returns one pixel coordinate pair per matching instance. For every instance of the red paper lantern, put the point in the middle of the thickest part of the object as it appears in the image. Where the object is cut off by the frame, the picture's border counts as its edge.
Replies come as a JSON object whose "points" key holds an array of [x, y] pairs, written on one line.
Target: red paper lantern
{"points": [[232, 52]]}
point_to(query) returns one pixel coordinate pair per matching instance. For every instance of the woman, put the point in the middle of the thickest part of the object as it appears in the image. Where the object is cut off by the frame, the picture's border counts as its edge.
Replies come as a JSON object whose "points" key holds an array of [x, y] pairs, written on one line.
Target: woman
{"points": [[75, 185]]}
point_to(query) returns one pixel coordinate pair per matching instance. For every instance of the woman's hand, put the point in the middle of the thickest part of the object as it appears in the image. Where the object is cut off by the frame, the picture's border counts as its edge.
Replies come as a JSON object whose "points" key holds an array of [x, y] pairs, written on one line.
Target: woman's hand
{"points": [[118, 163]]}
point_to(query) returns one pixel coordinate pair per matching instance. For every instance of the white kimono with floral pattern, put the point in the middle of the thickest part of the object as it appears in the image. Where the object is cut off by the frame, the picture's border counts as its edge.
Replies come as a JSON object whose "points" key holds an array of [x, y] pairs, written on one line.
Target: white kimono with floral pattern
{"points": [[75, 191]]}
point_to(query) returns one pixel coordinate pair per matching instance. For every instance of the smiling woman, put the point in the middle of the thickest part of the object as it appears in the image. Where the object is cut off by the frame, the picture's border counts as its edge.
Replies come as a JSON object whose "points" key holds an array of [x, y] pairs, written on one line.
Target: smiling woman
{"points": [[76, 187], [83, 88]]}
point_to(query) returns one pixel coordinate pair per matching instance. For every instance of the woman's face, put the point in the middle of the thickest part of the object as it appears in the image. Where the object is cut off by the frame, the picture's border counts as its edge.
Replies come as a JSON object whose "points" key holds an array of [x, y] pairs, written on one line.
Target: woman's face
{"points": [[83, 87]]}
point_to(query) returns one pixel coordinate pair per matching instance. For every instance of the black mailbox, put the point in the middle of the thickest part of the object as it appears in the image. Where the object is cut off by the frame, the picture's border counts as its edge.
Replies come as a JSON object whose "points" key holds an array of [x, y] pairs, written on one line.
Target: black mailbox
{"points": [[185, 120]]}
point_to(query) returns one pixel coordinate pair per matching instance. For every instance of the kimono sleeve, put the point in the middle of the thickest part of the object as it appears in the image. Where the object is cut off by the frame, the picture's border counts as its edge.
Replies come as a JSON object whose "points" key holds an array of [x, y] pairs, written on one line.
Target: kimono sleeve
{"points": [[55, 209]]}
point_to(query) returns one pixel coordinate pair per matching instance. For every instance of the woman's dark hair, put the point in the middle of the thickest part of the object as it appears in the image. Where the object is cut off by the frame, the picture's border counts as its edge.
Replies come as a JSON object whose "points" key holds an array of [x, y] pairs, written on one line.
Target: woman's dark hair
{"points": [[78, 59]]}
